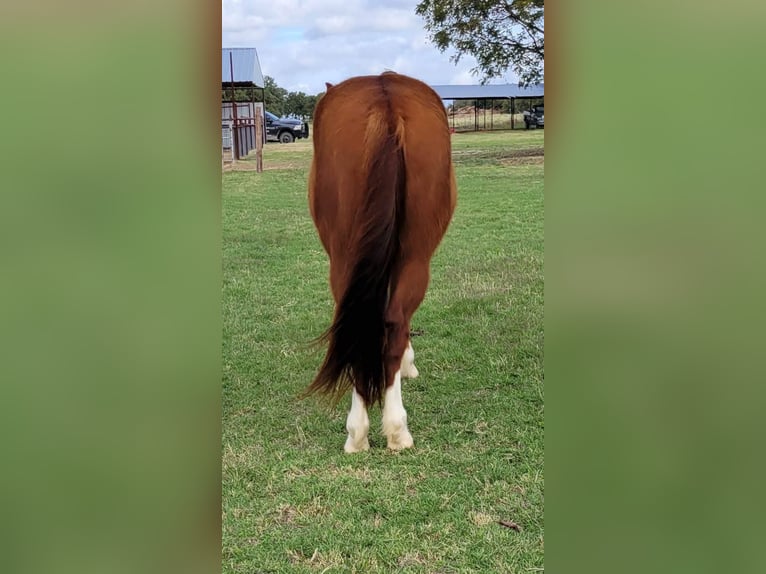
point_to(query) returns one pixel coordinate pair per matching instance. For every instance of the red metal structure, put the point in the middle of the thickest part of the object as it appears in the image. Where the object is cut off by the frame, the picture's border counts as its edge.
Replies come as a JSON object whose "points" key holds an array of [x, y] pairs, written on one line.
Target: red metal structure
{"points": [[241, 84]]}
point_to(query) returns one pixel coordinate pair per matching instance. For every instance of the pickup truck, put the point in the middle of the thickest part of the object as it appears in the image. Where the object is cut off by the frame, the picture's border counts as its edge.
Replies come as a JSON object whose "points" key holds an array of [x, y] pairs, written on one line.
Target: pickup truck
{"points": [[284, 130], [535, 118]]}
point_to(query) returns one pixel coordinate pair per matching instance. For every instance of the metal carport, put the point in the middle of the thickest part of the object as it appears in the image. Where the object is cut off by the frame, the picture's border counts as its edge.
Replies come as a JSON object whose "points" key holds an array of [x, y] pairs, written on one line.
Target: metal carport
{"points": [[488, 92]]}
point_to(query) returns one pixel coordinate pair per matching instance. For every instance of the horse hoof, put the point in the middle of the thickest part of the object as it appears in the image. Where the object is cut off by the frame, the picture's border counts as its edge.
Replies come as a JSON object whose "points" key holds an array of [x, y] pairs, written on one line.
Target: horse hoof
{"points": [[352, 446], [411, 372], [401, 441]]}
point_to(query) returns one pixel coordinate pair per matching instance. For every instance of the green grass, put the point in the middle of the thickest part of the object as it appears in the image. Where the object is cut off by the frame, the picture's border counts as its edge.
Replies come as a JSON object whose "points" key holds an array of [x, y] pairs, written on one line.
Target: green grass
{"points": [[292, 500]]}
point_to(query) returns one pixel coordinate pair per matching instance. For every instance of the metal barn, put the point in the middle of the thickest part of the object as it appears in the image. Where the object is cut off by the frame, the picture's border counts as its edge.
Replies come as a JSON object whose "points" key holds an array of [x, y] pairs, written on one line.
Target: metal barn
{"points": [[241, 120]]}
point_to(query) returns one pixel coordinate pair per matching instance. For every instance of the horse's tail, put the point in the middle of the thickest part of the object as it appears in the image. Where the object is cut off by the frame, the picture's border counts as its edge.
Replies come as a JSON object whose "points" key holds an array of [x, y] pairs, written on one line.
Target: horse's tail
{"points": [[357, 337]]}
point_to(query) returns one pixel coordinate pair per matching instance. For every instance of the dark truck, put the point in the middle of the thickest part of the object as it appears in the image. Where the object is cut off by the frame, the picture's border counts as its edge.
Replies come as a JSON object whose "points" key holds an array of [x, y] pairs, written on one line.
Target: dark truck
{"points": [[535, 118], [284, 130]]}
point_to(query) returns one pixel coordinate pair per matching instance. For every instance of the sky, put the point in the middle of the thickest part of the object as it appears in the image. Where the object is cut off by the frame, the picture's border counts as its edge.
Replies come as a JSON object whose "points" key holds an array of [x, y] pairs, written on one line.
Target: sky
{"points": [[304, 43]]}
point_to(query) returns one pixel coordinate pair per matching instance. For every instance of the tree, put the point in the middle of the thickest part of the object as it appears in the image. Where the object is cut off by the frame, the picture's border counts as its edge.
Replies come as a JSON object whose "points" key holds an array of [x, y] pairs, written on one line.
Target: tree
{"points": [[240, 94], [277, 100], [274, 96], [501, 35], [299, 105]]}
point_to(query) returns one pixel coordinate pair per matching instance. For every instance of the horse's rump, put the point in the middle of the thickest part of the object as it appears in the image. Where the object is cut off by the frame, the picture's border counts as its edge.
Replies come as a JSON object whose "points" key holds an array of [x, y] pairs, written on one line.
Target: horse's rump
{"points": [[381, 193]]}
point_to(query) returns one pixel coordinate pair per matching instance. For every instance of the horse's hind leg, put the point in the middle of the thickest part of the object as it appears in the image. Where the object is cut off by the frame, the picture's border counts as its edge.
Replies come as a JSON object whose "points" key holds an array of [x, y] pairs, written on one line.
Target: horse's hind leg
{"points": [[357, 425], [407, 296], [358, 421], [411, 289], [395, 417]]}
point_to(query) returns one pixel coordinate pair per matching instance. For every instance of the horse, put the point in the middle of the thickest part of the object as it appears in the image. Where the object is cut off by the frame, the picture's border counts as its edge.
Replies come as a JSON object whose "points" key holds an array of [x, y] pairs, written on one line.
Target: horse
{"points": [[381, 193]]}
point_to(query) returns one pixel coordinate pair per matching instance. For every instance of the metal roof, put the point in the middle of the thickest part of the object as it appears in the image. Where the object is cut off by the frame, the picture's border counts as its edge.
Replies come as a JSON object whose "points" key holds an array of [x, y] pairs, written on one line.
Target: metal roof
{"points": [[489, 91], [247, 68]]}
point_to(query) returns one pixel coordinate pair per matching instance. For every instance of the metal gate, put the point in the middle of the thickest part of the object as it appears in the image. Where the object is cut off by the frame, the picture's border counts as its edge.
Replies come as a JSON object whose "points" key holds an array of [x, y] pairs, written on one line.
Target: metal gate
{"points": [[242, 127], [227, 141]]}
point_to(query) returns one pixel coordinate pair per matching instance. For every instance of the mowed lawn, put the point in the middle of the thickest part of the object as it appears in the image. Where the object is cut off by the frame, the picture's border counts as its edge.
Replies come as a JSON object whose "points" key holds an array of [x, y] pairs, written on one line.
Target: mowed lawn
{"points": [[293, 501]]}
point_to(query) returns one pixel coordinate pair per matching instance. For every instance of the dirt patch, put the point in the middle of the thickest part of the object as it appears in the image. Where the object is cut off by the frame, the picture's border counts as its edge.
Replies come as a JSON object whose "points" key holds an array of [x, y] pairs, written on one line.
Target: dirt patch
{"points": [[530, 152], [524, 157], [283, 165], [286, 514], [532, 160], [241, 165], [275, 157], [247, 165]]}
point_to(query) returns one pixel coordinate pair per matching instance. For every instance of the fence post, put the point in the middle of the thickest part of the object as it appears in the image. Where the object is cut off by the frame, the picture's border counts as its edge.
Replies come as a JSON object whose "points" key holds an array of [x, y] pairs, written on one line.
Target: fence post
{"points": [[258, 140]]}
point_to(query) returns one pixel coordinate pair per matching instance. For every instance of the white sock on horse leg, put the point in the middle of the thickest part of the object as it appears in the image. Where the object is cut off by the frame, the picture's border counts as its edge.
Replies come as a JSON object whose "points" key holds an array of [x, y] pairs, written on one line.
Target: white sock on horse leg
{"points": [[409, 370], [395, 417], [357, 425]]}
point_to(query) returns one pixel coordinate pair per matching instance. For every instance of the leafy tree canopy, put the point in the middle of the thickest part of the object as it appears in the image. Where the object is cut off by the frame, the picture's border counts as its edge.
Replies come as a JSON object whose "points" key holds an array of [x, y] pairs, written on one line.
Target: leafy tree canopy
{"points": [[501, 35], [277, 100]]}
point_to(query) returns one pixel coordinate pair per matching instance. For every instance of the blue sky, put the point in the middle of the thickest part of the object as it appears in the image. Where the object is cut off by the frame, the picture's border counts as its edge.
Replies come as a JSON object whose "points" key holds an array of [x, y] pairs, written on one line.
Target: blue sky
{"points": [[304, 43]]}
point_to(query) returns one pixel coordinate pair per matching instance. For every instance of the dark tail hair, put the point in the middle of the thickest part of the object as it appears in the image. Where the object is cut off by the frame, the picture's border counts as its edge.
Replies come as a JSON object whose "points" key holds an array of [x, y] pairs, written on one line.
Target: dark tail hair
{"points": [[357, 337]]}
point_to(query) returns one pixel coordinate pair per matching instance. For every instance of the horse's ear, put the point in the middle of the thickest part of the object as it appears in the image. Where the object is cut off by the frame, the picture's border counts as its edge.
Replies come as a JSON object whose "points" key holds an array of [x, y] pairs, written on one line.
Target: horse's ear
{"points": [[329, 85]]}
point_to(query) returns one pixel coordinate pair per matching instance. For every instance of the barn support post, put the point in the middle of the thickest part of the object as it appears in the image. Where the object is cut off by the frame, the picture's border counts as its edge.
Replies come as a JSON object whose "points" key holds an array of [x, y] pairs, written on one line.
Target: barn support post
{"points": [[513, 111], [258, 132], [235, 131], [492, 115]]}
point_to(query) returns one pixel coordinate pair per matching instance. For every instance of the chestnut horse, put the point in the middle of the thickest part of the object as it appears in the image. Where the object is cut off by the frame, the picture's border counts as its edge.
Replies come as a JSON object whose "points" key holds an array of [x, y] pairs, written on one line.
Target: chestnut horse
{"points": [[381, 192]]}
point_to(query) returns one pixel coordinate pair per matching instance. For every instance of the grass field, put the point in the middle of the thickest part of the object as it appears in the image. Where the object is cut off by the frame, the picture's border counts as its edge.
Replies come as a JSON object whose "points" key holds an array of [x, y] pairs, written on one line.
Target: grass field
{"points": [[293, 501]]}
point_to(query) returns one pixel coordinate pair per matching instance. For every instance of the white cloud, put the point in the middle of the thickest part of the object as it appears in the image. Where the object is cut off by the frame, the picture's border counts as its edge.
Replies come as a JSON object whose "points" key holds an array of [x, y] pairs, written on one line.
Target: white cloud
{"points": [[333, 25], [462, 77], [304, 43]]}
